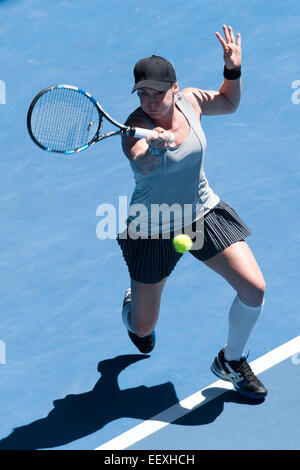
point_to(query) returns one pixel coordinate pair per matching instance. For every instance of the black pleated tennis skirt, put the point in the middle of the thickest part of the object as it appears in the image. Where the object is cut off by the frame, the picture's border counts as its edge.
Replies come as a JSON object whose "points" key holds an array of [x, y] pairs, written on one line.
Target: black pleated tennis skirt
{"points": [[150, 260]]}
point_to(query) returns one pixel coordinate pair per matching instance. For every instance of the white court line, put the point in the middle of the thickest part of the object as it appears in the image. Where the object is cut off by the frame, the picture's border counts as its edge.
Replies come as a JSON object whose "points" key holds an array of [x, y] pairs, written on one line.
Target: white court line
{"points": [[159, 421]]}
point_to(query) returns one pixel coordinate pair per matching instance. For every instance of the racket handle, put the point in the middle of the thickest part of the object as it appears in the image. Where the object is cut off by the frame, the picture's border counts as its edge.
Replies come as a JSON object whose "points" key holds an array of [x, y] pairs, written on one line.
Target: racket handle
{"points": [[141, 133]]}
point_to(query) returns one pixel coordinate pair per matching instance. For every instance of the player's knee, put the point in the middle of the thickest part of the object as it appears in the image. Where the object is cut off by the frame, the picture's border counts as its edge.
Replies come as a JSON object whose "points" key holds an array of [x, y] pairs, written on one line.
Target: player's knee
{"points": [[253, 292], [260, 288], [259, 293]]}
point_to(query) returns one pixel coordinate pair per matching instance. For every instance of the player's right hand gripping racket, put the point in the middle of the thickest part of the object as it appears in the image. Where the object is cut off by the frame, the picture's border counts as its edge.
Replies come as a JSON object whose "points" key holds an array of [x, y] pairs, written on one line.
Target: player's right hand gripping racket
{"points": [[67, 119]]}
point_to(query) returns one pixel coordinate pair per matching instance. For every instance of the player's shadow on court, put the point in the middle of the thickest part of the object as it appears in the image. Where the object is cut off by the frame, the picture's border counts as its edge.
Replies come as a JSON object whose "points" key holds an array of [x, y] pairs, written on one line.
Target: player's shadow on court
{"points": [[76, 416]]}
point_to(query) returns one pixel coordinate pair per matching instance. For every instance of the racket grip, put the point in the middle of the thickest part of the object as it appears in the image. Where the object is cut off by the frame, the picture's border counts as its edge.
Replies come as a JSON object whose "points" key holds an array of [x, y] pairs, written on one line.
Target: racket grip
{"points": [[141, 133]]}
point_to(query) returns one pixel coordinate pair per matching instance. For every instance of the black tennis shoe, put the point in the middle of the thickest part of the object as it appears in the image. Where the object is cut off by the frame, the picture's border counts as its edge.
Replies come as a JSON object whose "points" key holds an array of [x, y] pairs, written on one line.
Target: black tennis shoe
{"points": [[144, 344], [240, 374]]}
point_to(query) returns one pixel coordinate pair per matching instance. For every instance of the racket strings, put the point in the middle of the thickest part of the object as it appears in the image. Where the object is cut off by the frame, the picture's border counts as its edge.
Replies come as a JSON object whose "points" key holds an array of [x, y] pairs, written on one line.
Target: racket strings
{"points": [[64, 119]]}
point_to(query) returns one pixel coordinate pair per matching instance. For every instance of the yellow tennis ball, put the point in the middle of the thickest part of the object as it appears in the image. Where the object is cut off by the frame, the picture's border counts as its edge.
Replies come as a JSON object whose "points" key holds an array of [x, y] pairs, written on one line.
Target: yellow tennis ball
{"points": [[182, 243]]}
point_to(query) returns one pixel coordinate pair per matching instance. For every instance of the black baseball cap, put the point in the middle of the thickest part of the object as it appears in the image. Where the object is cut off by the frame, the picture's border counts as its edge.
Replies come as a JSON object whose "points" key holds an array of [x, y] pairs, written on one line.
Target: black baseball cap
{"points": [[154, 72]]}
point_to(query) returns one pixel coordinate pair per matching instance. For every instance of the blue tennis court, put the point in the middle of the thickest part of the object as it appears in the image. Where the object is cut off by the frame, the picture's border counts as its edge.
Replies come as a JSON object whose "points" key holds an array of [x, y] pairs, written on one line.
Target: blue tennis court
{"points": [[70, 376]]}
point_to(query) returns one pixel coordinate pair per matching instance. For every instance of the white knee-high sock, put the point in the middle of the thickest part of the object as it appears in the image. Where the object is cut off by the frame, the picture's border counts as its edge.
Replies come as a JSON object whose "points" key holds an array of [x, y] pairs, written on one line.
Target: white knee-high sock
{"points": [[241, 321]]}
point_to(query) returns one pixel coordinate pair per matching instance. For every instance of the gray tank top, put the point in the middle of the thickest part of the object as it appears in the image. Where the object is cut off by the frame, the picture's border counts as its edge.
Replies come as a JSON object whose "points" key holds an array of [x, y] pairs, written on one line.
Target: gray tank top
{"points": [[178, 186]]}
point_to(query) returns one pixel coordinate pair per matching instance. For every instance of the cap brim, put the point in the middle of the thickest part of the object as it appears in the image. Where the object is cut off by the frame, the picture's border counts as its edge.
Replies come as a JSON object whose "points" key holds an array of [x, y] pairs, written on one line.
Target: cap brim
{"points": [[153, 84]]}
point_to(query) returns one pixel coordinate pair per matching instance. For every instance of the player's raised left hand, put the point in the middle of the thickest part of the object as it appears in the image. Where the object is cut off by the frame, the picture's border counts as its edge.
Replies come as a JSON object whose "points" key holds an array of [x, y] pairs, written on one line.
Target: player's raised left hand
{"points": [[232, 48]]}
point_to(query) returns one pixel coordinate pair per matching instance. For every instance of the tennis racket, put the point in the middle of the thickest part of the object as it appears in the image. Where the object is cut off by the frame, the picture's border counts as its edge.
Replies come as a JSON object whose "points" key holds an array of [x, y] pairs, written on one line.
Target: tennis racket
{"points": [[66, 119]]}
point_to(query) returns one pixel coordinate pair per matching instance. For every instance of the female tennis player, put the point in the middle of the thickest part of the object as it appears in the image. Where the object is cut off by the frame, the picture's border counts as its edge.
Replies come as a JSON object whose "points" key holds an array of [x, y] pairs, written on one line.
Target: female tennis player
{"points": [[172, 173]]}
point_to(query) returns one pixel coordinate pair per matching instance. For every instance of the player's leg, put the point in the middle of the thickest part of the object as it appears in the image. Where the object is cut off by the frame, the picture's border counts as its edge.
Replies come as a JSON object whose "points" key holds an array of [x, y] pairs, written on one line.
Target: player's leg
{"points": [[150, 262], [238, 266], [143, 310], [140, 313]]}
